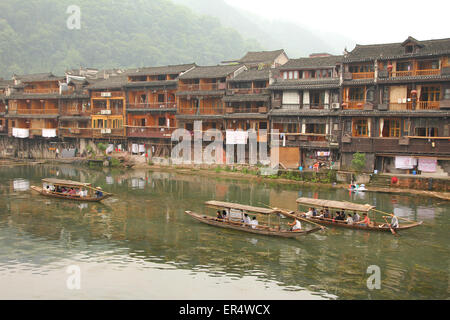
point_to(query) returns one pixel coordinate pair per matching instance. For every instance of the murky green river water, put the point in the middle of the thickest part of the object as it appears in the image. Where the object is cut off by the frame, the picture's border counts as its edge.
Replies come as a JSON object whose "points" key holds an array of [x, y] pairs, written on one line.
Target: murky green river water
{"points": [[140, 244]]}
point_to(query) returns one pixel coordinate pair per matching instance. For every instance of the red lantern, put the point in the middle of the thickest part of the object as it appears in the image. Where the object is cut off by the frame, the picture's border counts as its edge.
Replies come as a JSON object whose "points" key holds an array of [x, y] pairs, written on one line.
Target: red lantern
{"points": [[390, 67], [414, 92]]}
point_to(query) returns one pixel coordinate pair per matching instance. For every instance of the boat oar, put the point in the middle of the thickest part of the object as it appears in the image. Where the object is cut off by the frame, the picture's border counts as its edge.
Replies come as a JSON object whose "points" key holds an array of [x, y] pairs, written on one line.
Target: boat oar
{"points": [[392, 230], [391, 215]]}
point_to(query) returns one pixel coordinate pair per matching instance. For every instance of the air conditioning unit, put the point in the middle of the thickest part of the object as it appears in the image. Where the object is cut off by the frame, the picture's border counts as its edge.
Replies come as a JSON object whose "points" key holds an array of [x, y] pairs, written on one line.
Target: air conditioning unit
{"points": [[335, 106], [106, 131], [105, 112]]}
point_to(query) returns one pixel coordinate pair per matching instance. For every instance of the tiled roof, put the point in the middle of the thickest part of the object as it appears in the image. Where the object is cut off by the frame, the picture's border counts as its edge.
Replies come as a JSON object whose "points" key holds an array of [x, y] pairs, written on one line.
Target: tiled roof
{"points": [[252, 75], [171, 69], [306, 84], [308, 63], [115, 82], [205, 72], [140, 84], [38, 77], [397, 50], [261, 56]]}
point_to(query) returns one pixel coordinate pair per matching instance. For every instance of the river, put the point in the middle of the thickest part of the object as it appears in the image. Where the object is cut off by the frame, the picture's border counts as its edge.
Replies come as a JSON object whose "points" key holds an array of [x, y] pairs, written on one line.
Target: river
{"points": [[139, 244]]}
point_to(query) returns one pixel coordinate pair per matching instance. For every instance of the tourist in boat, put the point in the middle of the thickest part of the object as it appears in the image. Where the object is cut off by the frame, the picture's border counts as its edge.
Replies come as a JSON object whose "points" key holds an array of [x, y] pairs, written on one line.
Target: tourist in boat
{"points": [[314, 212], [349, 219], [326, 213], [219, 215], [394, 222], [309, 214], [356, 217], [99, 192], [247, 219], [322, 212], [72, 192], [254, 223], [366, 221], [296, 225]]}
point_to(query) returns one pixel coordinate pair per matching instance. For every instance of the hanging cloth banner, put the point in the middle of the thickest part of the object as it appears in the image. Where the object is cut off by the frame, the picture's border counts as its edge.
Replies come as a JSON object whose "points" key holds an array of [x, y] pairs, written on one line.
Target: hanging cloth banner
{"points": [[427, 164], [49, 133], [405, 162], [141, 148], [134, 148]]}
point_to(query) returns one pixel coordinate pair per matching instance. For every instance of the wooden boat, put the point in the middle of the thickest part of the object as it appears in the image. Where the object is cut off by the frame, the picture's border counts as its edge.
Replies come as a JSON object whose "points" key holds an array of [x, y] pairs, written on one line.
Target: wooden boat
{"points": [[235, 222], [350, 208], [91, 194]]}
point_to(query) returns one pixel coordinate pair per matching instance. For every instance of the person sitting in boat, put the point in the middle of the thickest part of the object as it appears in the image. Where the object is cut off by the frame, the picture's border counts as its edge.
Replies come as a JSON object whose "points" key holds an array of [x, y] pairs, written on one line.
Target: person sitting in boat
{"points": [[309, 214], [322, 212], [99, 193], [356, 217], [394, 222], [247, 219], [254, 223], [337, 216], [314, 212], [296, 225], [366, 221], [349, 219], [219, 215], [326, 213]]}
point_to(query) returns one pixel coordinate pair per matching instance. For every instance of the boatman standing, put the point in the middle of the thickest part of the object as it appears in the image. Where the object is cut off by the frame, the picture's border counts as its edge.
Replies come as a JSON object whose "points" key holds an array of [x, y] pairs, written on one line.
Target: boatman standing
{"points": [[394, 222]]}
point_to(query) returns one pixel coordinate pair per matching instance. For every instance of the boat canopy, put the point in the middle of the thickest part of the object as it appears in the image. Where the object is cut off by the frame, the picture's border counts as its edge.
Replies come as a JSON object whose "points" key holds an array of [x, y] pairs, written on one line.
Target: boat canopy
{"points": [[237, 206], [335, 204], [60, 182]]}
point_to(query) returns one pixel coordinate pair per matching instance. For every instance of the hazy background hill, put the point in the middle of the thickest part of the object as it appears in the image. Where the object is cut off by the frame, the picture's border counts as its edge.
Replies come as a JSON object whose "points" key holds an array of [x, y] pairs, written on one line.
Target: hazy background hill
{"points": [[126, 33], [297, 40]]}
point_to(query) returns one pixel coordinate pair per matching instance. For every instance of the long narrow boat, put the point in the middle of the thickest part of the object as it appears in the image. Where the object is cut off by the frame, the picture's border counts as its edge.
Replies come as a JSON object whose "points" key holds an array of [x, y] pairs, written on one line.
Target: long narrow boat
{"points": [[350, 208], [235, 221], [91, 194]]}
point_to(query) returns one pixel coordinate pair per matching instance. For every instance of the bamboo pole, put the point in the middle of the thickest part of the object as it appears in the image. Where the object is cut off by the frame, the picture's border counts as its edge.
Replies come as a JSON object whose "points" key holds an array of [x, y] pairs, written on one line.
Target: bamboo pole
{"points": [[389, 214]]}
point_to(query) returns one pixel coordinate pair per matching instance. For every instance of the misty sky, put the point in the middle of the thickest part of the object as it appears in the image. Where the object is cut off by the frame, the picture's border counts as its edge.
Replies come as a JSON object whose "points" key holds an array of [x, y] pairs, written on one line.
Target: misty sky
{"points": [[366, 22]]}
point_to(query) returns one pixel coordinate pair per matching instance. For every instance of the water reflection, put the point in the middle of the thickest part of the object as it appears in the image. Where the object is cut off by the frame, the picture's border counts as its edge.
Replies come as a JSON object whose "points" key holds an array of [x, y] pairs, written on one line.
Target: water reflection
{"points": [[144, 224]]}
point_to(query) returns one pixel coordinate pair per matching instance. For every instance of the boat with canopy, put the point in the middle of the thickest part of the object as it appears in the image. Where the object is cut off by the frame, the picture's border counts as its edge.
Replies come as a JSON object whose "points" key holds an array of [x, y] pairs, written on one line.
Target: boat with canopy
{"points": [[235, 214], [334, 206], [71, 190]]}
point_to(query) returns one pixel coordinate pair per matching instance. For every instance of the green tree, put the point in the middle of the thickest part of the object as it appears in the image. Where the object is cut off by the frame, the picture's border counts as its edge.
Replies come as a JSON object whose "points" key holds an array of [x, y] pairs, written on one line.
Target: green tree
{"points": [[359, 161]]}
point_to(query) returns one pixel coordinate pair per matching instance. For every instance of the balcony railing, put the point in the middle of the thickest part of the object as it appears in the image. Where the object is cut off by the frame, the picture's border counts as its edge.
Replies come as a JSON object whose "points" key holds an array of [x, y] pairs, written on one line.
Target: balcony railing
{"points": [[349, 105], [412, 73], [202, 87], [363, 75], [246, 110], [112, 94], [35, 111], [200, 111], [420, 105], [156, 105], [107, 132], [107, 112], [150, 132], [75, 112], [42, 91], [76, 132], [247, 91]]}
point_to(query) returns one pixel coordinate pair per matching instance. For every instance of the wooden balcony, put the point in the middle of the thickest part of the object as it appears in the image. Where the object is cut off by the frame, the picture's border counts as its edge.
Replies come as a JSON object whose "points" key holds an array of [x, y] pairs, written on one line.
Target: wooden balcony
{"points": [[246, 110], [76, 132], [107, 112], [150, 132], [202, 87], [107, 132], [35, 111], [233, 91], [41, 91], [75, 112], [109, 94], [201, 111], [353, 105], [156, 105], [414, 73], [420, 105], [415, 145], [363, 75]]}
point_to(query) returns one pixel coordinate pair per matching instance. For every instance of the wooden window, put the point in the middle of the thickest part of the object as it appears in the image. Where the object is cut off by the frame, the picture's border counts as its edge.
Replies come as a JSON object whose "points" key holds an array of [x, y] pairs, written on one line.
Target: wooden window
{"points": [[360, 128], [317, 128], [361, 68], [161, 98], [430, 94], [285, 75], [356, 93], [404, 66], [263, 125], [447, 94], [426, 132], [390, 128], [161, 121], [317, 98], [291, 75]]}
